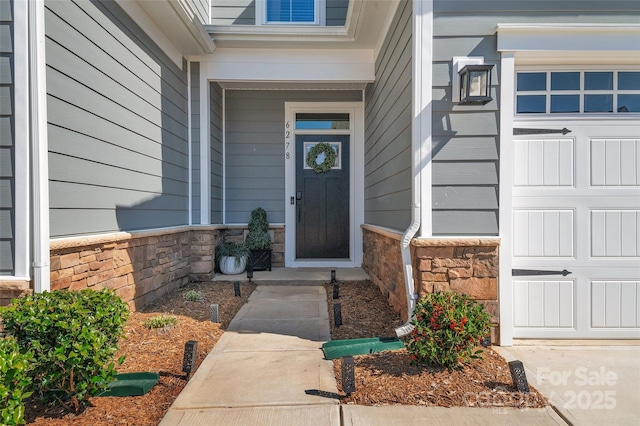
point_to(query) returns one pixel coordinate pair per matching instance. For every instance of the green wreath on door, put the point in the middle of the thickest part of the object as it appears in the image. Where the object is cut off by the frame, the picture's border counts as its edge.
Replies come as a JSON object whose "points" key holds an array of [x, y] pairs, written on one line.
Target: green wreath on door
{"points": [[329, 157]]}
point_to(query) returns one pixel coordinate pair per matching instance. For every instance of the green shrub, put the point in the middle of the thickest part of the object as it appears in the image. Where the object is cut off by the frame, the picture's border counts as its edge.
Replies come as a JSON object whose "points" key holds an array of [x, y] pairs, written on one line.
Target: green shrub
{"points": [[14, 381], [193, 296], [448, 329], [73, 336], [258, 237], [160, 321]]}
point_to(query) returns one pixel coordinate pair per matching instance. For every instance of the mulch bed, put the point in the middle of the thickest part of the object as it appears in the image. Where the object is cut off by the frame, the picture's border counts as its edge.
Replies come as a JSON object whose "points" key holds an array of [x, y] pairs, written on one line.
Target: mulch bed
{"points": [[381, 379]]}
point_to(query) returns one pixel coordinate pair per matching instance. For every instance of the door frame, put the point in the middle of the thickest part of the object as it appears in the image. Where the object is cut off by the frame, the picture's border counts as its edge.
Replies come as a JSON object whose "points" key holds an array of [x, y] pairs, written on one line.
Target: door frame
{"points": [[356, 179]]}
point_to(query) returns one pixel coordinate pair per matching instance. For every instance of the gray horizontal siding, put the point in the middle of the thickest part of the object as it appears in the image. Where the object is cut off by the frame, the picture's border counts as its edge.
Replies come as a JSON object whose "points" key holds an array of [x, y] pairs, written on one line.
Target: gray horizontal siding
{"points": [[7, 153], [233, 12], [254, 148], [201, 8], [195, 142], [216, 153], [387, 190], [466, 139], [336, 12], [117, 105]]}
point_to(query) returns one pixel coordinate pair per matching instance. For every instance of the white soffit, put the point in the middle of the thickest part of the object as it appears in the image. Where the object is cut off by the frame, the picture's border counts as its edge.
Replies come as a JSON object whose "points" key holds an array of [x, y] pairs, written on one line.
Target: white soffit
{"points": [[172, 24], [571, 42], [293, 66]]}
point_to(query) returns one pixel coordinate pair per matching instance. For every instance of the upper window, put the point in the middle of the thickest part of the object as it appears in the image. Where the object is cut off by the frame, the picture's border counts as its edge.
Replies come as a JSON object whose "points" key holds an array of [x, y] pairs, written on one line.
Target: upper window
{"points": [[292, 11], [566, 92]]}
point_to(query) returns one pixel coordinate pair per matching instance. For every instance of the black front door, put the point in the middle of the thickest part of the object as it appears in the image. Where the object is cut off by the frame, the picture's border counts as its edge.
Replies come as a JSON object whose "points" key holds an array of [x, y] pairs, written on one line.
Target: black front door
{"points": [[322, 201]]}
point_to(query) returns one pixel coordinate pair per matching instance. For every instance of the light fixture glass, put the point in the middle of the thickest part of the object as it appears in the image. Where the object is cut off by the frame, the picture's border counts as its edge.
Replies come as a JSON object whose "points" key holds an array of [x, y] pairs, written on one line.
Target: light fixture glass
{"points": [[475, 84]]}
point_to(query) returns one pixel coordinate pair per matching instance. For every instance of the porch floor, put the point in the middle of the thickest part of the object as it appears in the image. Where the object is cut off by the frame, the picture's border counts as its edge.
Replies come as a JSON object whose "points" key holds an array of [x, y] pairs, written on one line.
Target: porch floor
{"points": [[299, 276]]}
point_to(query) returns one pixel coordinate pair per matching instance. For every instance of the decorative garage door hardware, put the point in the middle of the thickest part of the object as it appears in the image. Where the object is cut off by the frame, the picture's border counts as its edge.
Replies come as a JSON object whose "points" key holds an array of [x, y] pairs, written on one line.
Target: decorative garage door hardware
{"points": [[523, 272], [525, 131]]}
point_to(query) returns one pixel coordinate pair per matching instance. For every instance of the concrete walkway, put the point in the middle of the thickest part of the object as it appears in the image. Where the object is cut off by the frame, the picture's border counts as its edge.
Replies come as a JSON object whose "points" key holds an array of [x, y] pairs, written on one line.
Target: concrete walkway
{"points": [[268, 370]]}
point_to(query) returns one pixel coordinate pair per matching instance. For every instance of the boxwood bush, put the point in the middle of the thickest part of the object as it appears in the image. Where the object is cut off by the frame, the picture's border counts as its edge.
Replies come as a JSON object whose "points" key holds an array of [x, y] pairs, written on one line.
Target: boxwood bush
{"points": [[14, 381], [73, 336]]}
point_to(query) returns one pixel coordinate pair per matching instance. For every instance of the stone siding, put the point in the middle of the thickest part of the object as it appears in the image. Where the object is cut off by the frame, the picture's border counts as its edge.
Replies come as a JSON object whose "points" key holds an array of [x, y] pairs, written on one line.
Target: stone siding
{"points": [[466, 266]]}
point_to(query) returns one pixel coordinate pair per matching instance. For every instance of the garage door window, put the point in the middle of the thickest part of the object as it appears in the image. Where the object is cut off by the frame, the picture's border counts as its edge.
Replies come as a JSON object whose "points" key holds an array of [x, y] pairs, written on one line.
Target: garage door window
{"points": [[575, 92]]}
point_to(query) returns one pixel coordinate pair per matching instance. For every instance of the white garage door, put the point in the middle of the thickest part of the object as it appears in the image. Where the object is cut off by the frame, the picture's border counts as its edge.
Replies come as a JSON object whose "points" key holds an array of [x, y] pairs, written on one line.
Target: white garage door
{"points": [[576, 230]]}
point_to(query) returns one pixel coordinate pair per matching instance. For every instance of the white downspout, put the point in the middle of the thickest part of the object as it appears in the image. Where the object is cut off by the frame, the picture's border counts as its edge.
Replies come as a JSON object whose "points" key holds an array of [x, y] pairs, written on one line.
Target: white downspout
{"points": [[420, 140], [39, 143]]}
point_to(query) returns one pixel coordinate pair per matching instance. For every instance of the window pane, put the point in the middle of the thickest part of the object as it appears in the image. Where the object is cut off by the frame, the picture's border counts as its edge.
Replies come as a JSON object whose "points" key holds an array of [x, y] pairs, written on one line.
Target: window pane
{"points": [[530, 81], [598, 103], [628, 103], [531, 104], [565, 81], [565, 103], [322, 121], [629, 80], [598, 81], [290, 10]]}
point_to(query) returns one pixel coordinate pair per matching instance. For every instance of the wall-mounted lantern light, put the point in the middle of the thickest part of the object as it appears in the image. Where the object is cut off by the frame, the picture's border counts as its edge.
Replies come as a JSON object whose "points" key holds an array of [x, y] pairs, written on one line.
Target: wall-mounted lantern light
{"points": [[471, 81], [475, 84]]}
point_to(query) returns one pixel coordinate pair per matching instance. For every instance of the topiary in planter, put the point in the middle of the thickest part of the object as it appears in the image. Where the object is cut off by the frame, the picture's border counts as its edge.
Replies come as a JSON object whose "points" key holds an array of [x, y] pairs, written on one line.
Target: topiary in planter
{"points": [[258, 240], [73, 336], [448, 330]]}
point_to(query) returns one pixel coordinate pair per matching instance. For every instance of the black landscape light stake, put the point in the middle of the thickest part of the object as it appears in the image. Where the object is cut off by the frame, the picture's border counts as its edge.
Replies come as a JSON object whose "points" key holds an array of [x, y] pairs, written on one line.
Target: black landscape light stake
{"points": [[236, 288], [348, 375], [485, 341], [249, 271], [518, 376], [333, 276], [336, 291], [214, 313], [337, 314], [189, 358]]}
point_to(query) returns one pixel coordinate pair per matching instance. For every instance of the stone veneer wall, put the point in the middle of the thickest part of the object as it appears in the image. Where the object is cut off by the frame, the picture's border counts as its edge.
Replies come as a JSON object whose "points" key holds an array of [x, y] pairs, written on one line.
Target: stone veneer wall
{"points": [[143, 266], [462, 265]]}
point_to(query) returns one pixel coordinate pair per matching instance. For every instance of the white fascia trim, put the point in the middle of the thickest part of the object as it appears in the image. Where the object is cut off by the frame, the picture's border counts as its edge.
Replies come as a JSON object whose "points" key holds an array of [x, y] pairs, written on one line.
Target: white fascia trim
{"points": [[205, 150], [393, 9], [22, 256], [40, 147], [568, 37], [291, 65], [150, 28], [507, 111]]}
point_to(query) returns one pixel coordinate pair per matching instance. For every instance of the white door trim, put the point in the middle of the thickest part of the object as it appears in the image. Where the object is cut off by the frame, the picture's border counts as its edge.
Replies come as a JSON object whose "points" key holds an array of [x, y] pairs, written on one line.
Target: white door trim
{"points": [[356, 179]]}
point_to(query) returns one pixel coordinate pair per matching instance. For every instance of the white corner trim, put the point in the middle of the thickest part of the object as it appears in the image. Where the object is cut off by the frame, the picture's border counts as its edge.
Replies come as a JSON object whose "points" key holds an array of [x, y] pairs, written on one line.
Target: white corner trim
{"points": [[189, 146], [568, 37], [22, 257], [205, 150], [507, 111], [40, 147]]}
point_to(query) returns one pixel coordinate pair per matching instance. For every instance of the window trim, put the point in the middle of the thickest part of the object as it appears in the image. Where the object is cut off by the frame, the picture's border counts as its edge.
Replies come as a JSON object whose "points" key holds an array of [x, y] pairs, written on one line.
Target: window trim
{"points": [[320, 15], [581, 91]]}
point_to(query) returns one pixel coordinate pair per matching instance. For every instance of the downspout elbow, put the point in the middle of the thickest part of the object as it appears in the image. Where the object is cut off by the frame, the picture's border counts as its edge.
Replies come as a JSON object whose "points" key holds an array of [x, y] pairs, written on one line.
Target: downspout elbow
{"points": [[405, 248]]}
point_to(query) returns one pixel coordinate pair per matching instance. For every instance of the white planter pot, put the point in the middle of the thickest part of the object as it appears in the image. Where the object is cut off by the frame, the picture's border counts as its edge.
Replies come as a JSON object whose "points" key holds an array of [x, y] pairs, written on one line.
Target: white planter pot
{"points": [[229, 266]]}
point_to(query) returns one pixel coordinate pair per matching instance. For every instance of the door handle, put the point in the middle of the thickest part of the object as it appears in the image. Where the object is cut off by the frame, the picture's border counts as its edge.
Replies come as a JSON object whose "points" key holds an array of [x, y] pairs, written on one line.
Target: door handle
{"points": [[299, 195], [523, 272]]}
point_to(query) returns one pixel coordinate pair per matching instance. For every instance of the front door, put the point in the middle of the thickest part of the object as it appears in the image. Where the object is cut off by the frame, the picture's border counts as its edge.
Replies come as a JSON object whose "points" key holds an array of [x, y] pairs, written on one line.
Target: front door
{"points": [[322, 201], [576, 231]]}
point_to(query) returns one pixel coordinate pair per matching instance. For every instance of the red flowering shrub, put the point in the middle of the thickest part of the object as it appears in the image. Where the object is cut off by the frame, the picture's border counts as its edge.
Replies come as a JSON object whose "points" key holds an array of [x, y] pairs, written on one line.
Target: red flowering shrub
{"points": [[448, 330]]}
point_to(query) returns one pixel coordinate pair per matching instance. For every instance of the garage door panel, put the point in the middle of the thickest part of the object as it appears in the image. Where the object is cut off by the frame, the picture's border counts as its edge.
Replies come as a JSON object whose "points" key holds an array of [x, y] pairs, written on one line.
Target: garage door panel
{"points": [[544, 163], [549, 304], [615, 162], [543, 233], [615, 304], [615, 233]]}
